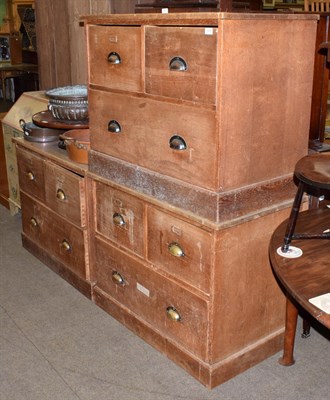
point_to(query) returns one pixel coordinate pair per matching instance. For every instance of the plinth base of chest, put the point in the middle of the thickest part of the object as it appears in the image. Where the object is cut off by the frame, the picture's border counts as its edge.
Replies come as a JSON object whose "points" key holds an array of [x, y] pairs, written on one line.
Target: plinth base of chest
{"points": [[210, 375]]}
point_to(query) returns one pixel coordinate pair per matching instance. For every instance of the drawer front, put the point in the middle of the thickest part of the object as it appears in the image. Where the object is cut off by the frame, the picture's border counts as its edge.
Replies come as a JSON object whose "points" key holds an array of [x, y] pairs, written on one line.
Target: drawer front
{"points": [[181, 62], [119, 217], [61, 239], [65, 194], [175, 140], [181, 249], [153, 298], [115, 57], [31, 172]]}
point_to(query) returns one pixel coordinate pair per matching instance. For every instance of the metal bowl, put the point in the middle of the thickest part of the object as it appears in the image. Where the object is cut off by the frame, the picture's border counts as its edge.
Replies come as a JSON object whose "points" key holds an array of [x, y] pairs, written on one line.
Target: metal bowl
{"points": [[69, 103], [34, 133]]}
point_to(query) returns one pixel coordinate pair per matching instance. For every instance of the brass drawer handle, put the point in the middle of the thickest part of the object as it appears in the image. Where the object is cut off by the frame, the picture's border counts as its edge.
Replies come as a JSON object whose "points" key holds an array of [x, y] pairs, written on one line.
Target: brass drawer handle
{"points": [[33, 222], [117, 278], [178, 64], [177, 143], [118, 219], [114, 126], [30, 176], [175, 250], [114, 58], [60, 194], [173, 314], [65, 245]]}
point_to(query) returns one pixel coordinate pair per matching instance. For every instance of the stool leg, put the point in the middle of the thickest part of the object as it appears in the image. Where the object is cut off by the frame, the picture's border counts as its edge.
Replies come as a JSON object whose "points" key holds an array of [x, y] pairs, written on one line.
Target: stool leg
{"points": [[306, 329], [290, 333], [293, 217]]}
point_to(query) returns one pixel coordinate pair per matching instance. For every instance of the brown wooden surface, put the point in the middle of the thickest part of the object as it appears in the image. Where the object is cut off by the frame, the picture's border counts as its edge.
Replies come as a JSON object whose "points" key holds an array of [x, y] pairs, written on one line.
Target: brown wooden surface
{"points": [[314, 170], [309, 275], [4, 189]]}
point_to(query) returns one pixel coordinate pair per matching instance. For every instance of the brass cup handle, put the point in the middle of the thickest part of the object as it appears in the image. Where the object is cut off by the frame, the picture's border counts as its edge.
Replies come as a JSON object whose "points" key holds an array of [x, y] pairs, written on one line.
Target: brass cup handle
{"points": [[114, 58], [65, 245], [173, 314], [33, 222], [118, 219], [30, 176], [60, 194], [114, 126], [178, 64], [177, 142], [117, 278], [175, 250]]}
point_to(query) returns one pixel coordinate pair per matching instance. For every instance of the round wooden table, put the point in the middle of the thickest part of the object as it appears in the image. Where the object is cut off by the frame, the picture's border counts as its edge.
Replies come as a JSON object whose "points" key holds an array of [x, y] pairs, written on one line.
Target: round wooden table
{"points": [[304, 277]]}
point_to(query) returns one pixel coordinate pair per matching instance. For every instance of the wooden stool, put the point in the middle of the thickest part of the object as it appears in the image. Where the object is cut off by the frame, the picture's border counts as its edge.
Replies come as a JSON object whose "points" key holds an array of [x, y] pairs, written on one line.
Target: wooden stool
{"points": [[313, 175]]}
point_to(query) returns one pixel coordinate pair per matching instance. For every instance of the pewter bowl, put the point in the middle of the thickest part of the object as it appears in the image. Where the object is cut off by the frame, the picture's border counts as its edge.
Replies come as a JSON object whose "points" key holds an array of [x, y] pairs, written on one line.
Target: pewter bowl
{"points": [[69, 103]]}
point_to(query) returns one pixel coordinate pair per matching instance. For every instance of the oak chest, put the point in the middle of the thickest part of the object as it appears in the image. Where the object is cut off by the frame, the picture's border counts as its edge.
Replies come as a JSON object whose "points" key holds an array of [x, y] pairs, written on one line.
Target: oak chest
{"points": [[54, 210], [196, 122]]}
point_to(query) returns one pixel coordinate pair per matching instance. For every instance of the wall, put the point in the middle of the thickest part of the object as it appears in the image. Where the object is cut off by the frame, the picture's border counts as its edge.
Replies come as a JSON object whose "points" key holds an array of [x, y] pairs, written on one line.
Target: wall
{"points": [[61, 38]]}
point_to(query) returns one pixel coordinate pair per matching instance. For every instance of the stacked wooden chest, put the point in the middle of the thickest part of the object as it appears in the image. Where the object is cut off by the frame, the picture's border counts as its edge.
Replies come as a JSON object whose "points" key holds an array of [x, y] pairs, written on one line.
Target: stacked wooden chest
{"points": [[196, 121]]}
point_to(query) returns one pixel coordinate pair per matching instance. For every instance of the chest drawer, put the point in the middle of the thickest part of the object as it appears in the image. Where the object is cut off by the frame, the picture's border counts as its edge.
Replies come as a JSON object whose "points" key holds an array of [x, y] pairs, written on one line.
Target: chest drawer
{"points": [[65, 194], [175, 140], [181, 249], [61, 239], [119, 217], [115, 57], [177, 313], [180, 62], [31, 171]]}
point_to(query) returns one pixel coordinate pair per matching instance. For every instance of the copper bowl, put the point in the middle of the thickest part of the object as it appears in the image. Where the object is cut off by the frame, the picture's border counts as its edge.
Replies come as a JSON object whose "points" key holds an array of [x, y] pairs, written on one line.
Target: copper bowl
{"points": [[77, 143], [69, 103], [34, 133]]}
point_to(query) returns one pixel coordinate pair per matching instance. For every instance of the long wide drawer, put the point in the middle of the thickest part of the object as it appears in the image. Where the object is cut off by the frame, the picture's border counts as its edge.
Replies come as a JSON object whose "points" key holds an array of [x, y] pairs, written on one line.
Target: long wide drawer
{"points": [[60, 238], [176, 140], [176, 312]]}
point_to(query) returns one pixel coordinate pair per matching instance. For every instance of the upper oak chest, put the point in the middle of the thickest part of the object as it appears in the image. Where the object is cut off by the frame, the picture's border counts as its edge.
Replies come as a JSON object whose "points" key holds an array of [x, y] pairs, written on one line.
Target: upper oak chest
{"points": [[211, 104]]}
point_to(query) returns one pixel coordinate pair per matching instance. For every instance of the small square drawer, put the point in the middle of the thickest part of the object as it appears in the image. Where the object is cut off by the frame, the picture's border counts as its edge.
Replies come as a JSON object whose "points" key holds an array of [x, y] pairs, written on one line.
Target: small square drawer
{"points": [[61, 239], [176, 312], [115, 57], [181, 249], [31, 172], [65, 194], [181, 62], [120, 217], [175, 140]]}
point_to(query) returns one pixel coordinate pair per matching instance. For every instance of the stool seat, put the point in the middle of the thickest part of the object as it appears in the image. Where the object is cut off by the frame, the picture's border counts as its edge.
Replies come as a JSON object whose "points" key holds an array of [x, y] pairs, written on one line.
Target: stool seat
{"points": [[313, 175], [314, 170]]}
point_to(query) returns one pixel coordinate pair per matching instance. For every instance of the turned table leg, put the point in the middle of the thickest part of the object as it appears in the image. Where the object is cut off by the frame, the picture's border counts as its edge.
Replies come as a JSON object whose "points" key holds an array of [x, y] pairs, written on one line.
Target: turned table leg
{"points": [[290, 333]]}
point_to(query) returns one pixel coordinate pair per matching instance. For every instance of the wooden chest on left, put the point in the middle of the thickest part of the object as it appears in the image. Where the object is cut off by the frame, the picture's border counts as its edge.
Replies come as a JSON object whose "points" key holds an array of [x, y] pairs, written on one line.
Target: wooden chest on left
{"points": [[54, 210]]}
